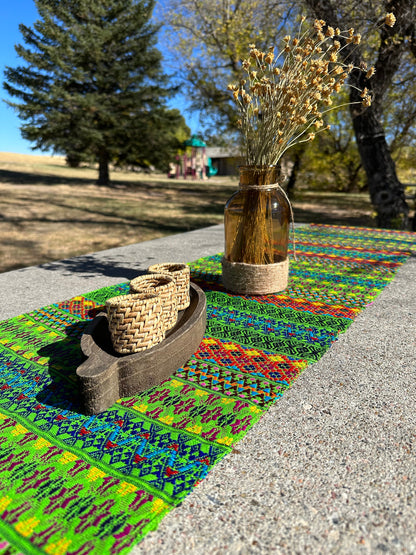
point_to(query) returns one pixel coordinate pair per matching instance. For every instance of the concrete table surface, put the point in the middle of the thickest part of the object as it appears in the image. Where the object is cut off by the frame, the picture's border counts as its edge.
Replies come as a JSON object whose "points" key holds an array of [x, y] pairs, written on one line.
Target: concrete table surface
{"points": [[36, 286], [330, 468]]}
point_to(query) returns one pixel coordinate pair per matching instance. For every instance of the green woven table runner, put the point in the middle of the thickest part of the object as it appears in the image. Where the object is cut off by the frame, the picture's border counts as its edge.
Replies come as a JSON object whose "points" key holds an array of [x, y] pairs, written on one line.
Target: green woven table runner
{"points": [[79, 485]]}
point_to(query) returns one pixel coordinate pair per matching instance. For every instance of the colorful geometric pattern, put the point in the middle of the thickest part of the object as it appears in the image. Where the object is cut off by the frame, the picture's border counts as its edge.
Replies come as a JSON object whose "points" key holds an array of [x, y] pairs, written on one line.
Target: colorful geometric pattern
{"points": [[78, 485]]}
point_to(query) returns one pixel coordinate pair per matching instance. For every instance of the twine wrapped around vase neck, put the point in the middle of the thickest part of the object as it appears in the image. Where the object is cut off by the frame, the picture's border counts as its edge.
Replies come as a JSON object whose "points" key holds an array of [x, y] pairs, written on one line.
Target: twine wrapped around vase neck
{"points": [[247, 187]]}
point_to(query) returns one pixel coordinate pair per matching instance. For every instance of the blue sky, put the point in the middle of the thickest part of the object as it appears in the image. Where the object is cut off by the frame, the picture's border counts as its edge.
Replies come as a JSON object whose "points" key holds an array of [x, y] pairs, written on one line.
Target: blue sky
{"points": [[12, 14]]}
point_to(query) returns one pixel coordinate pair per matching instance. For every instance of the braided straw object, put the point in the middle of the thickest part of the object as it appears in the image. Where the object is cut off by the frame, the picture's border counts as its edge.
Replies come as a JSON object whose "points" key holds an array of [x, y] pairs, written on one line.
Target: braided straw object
{"points": [[164, 286], [181, 274], [134, 322], [255, 279]]}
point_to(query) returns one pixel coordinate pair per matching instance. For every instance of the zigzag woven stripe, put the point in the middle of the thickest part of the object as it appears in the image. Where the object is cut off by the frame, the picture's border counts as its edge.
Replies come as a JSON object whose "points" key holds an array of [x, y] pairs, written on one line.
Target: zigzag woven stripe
{"points": [[362, 232], [53, 318], [367, 252], [252, 305], [84, 485], [337, 267], [264, 364]]}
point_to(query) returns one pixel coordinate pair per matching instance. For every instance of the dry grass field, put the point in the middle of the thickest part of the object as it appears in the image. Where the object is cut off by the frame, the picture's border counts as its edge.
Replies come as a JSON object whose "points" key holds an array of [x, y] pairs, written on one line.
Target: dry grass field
{"points": [[49, 211]]}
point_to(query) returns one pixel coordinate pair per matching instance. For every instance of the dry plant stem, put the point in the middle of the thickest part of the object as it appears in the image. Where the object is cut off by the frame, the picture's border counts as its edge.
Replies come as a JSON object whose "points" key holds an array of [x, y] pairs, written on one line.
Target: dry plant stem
{"points": [[253, 241]]}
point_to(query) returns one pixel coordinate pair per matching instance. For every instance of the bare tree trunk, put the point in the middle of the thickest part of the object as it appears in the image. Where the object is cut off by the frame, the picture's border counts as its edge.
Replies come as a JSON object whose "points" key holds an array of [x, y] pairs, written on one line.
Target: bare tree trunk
{"points": [[297, 158], [386, 191], [103, 172]]}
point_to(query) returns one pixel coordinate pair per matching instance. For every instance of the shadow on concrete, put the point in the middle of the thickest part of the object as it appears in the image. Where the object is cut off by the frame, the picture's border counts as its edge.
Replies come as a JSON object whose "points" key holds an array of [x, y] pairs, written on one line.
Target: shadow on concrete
{"points": [[91, 267]]}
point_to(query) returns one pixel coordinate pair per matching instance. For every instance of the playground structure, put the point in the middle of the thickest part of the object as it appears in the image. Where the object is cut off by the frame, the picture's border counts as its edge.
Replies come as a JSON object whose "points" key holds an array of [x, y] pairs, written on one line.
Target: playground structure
{"points": [[194, 162]]}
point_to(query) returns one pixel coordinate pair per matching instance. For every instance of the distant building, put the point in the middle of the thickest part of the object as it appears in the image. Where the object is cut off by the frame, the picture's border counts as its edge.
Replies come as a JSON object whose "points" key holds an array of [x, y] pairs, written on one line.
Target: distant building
{"points": [[225, 160]]}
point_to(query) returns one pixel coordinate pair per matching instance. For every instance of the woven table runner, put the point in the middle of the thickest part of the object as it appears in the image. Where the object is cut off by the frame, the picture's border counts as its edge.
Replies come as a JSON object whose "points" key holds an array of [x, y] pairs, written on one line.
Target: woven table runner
{"points": [[77, 484]]}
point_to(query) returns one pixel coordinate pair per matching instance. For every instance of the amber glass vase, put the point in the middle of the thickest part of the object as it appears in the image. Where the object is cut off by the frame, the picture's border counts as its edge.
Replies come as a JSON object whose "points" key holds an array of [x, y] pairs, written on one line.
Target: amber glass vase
{"points": [[256, 221]]}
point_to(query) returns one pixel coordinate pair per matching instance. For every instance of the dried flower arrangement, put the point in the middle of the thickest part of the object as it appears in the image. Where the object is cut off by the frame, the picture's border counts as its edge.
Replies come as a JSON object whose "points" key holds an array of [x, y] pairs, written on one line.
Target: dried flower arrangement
{"points": [[282, 99]]}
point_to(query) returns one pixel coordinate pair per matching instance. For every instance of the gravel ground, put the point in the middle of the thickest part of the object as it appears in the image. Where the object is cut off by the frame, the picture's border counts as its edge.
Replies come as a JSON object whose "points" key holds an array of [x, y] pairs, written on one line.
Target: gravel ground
{"points": [[331, 466]]}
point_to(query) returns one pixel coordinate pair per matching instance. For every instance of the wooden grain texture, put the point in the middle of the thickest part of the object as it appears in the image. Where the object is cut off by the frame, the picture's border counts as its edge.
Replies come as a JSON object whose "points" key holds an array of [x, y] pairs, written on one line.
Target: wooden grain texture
{"points": [[107, 376]]}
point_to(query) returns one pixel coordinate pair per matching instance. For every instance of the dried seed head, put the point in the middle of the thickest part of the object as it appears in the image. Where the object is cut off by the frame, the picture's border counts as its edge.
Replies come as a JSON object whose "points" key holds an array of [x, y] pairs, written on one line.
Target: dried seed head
{"points": [[291, 96], [390, 19]]}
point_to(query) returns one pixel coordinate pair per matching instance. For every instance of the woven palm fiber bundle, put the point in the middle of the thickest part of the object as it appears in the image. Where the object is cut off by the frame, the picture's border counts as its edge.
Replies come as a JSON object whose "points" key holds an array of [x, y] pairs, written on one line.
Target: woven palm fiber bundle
{"points": [[164, 286], [181, 274], [135, 322]]}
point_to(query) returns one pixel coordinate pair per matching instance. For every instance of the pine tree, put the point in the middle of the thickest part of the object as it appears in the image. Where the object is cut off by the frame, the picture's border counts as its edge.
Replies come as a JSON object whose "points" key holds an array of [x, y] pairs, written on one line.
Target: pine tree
{"points": [[92, 76]]}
